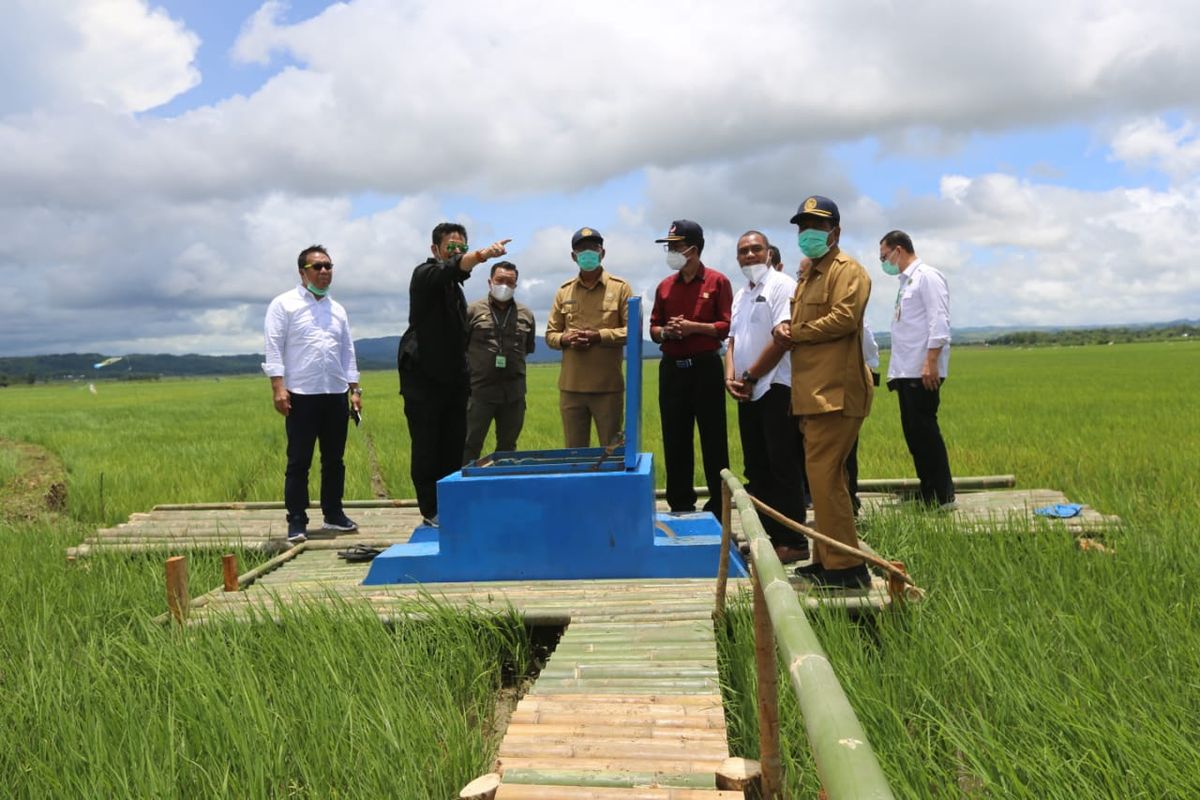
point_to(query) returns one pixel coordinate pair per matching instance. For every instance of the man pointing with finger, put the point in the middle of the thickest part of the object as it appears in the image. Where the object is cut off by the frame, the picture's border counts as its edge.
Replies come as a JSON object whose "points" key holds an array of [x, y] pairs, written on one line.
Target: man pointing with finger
{"points": [[432, 360], [309, 358]]}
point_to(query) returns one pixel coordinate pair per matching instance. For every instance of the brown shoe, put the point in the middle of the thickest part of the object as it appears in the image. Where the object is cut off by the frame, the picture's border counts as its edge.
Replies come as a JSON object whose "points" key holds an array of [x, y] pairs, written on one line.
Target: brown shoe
{"points": [[789, 555]]}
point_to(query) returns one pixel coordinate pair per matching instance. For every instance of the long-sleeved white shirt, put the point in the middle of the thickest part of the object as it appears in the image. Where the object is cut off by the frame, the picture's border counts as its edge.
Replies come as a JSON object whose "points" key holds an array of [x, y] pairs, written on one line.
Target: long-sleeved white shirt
{"points": [[920, 322], [309, 344], [870, 348], [756, 311]]}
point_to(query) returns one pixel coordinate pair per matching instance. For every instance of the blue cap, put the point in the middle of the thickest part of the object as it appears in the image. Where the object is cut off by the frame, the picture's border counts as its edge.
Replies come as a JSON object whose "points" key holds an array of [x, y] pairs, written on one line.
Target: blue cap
{"points": [[585, 234], [819, 207]]}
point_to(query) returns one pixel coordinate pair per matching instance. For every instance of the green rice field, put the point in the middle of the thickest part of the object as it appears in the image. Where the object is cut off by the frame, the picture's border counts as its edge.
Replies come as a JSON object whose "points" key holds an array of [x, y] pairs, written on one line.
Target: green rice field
{"points": [[1032, 669]]}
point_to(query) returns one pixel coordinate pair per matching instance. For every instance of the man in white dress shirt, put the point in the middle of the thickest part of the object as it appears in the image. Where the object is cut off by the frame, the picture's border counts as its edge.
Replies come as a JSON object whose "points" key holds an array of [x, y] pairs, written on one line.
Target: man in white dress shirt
{"points": [[310, 361], [919, 363], [758, 374]]}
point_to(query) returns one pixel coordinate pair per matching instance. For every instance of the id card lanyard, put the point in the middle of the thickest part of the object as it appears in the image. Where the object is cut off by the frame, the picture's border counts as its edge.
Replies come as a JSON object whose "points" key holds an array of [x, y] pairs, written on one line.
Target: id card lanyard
{"points": [[501, 325]]}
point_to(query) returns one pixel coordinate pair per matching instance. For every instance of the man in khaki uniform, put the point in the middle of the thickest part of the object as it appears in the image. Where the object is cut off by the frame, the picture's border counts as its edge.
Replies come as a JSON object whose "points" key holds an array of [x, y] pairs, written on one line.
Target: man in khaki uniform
{"points": [[831, 385], [587, 322], [500, 333]]}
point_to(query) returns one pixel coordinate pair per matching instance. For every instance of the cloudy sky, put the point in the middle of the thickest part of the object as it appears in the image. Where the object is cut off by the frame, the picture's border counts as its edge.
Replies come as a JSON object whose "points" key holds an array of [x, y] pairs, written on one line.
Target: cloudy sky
{"points": [[161, 163]]}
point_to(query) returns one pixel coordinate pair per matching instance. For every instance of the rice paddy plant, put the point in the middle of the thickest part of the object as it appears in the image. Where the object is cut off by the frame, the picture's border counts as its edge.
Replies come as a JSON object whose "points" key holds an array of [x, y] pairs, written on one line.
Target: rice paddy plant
{"points": [[1032, 669], [98, 700]]}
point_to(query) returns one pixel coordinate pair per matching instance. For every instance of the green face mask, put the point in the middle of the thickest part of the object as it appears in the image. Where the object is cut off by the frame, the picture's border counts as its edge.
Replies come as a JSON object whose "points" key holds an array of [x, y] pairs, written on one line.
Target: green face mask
{"points": [[890, 268], [587, 260], [813, 242], [315, 290]]}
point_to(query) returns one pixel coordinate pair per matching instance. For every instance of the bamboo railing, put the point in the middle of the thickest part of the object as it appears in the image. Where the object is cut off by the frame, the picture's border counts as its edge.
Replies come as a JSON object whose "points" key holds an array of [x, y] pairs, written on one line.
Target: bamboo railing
{"points": [[846, 763]]}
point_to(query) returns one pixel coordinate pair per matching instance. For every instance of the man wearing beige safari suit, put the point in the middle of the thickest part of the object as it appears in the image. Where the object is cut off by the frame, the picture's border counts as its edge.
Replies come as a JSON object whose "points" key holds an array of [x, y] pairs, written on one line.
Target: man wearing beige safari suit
{"points": [[831, 385]]}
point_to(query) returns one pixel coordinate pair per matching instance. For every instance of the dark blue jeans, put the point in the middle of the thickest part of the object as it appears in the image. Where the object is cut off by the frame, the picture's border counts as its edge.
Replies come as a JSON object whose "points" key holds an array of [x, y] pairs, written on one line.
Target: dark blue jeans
{"points": [[316, 418]]}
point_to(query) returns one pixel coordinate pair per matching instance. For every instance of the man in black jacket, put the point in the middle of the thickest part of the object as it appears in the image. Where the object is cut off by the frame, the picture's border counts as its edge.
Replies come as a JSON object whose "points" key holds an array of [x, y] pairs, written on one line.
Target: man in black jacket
{"points": [[432, 360]]}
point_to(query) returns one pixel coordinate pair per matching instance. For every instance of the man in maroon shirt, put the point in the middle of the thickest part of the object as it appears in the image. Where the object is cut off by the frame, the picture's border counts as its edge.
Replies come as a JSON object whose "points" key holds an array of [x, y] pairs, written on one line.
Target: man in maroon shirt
{"points": [[689, 320]]}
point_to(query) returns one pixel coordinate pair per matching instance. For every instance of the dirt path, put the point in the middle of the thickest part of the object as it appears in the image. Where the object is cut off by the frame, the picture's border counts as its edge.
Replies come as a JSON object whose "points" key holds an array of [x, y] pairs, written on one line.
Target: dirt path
{"points": [[39, 486]]}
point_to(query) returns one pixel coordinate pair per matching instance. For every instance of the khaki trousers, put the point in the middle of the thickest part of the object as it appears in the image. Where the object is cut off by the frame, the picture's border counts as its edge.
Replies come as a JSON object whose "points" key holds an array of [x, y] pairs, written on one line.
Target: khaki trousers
{"points": [[827, 442], [579, 409]]}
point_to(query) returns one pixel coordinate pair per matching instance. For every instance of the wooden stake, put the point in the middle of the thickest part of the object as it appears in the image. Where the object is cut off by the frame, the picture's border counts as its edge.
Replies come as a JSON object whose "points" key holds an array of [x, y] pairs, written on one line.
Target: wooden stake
{"points": [[895, 585], [740, 775], [726, 536], [482, 788], [767, 669], [177, 588], [229, 570]]}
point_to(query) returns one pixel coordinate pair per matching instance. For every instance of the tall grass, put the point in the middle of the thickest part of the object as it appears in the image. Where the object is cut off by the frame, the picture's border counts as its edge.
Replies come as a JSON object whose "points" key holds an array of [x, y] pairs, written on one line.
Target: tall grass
{"points": [[96, 700], [1034, 669]]}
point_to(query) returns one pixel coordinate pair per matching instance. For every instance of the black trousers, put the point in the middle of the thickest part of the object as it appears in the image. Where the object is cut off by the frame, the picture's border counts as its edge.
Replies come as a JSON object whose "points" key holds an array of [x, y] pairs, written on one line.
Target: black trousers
{"points": [[437, 427], [693, 396], [315, 418], [852, 477], [773, 461], [918, 419]]}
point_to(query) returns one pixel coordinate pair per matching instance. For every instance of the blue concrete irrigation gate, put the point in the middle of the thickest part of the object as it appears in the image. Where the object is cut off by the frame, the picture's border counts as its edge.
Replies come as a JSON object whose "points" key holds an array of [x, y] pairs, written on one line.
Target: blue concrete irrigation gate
{"points": [[584, 513]]}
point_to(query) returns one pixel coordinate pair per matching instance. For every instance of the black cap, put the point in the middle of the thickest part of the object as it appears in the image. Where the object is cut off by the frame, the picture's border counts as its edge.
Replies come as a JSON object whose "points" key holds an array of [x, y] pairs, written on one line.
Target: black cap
{"points": [[819, 207], [684, 230], [586, 234]]}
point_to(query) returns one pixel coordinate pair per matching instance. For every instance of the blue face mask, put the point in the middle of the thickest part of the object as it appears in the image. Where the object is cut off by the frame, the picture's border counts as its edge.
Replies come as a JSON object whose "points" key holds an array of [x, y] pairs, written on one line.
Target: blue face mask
{"points": [[315, 290], [813, 242], [587, 260]]}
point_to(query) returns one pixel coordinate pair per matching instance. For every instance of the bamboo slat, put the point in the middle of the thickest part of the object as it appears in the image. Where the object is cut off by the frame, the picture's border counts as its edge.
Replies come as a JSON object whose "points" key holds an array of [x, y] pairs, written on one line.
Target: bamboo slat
{"points": [[509, 791]]}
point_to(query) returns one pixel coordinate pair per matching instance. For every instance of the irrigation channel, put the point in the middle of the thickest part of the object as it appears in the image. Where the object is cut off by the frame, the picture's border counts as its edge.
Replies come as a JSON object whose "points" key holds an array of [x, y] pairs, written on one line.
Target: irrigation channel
{"points": [[629, 703]]}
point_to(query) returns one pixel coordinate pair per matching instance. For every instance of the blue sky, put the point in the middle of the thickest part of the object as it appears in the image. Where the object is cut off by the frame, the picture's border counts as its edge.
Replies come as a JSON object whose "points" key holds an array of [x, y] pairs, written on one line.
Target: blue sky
{"points": [[163, 162]]}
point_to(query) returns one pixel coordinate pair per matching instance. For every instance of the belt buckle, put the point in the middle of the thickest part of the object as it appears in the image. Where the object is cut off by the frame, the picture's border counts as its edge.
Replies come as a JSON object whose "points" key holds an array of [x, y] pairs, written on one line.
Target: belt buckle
{"points": [[683, 363]]}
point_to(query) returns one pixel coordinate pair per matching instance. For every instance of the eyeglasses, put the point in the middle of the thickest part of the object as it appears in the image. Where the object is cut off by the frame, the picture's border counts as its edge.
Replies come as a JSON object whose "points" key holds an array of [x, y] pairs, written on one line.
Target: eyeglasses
{"points": [[456, 247], [320, 265], [680, 247]]}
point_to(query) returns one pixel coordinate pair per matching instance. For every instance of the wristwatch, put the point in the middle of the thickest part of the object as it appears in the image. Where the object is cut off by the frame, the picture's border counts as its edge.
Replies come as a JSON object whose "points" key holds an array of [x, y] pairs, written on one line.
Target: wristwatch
{"points": [[748, 378], [357, 390]]}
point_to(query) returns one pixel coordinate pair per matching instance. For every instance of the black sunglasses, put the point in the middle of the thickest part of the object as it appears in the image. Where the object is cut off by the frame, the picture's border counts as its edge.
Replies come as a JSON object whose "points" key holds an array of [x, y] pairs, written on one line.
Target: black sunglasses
{"points": [[321, 265]]}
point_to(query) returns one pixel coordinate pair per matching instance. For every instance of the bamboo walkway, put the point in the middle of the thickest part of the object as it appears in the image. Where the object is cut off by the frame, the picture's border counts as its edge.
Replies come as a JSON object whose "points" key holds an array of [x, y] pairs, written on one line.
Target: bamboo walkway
{"points": [[261, 526]]}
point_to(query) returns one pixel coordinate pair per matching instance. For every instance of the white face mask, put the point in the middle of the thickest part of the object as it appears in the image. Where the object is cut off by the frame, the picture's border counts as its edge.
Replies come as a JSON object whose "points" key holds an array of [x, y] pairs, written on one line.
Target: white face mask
{"points": [[501, 293], [676, 260], [755, 272]]}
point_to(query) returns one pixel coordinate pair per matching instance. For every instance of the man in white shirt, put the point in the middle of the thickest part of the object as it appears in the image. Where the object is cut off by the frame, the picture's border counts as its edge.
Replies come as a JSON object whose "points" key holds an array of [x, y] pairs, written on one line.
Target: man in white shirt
{"points": [[758, 374], [920, 362], [310, 361]]}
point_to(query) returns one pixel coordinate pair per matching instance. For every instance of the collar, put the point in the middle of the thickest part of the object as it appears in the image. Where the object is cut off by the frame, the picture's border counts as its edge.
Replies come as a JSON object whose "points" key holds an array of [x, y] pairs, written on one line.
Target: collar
{"points": [[822, 264], [907, 275], [699, 276], [309, 296], [602, 282]]}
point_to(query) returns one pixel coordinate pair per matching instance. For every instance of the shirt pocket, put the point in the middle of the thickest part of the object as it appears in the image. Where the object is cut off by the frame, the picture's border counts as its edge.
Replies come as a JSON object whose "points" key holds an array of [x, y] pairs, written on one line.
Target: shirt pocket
{"points": [[813, 306], [610, 311]]}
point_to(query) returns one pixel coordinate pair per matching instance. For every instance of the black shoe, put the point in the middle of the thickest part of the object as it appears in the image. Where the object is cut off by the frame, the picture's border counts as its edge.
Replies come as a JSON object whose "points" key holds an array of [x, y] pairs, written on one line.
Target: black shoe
{"points": [[788, 554], [342, 523], [809, 570], [297, 532], [851, 578]]}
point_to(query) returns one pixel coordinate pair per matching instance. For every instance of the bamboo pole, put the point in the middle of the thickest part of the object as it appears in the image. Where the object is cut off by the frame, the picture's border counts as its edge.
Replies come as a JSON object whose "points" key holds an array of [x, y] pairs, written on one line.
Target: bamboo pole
{"points": [[229, 571], [482, 788], [841, 547], [740, 775], [845, 761], [966, 483], [767, 672], [723, 561], [177, 588]]}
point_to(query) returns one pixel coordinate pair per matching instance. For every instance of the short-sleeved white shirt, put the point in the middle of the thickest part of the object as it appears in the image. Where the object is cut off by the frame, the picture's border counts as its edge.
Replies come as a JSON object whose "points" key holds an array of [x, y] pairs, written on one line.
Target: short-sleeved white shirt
{"points": [[756, 311]]}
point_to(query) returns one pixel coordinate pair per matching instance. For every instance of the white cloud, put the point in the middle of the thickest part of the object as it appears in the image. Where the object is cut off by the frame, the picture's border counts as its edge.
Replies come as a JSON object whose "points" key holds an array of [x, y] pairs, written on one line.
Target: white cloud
{"points": [[121, 230], [120, 55], [1153, 143]]}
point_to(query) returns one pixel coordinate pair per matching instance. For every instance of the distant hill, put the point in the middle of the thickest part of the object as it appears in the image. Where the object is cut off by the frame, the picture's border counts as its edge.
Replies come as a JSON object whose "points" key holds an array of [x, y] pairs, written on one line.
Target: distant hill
{"points": [[380, 353]]}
